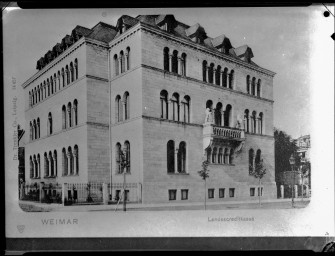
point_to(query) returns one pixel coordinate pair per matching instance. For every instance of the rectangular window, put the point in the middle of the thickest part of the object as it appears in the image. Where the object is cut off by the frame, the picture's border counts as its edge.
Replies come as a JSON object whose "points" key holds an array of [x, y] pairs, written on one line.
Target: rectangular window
{"points": [[127, 195], [232, 192], [172, 194], [117, 195], [221, 193], [252, 191], [211, 193], [184, 194], [261, 191]]}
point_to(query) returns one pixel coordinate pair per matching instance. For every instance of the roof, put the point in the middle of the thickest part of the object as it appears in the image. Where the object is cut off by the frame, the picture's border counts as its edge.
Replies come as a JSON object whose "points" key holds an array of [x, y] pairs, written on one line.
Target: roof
{"points": [[240, 51], [103, 32], [130, 21], [218, 41], [192, 30]]}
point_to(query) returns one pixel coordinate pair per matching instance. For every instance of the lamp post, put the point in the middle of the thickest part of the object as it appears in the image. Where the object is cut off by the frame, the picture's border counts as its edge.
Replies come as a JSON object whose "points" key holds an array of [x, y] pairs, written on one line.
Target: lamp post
{"points": [[124, 164], [292, 163]]}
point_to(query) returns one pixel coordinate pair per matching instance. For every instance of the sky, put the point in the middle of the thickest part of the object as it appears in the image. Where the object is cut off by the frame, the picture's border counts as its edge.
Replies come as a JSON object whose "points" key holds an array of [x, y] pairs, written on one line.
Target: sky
{"points": [[280, 38]]}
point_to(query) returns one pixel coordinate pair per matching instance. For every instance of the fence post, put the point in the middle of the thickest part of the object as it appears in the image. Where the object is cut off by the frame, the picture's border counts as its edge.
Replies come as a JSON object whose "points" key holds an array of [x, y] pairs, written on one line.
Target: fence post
{"points": [[281, 191], [41, 191], [296, 191], [105, 195], [63, 193]]}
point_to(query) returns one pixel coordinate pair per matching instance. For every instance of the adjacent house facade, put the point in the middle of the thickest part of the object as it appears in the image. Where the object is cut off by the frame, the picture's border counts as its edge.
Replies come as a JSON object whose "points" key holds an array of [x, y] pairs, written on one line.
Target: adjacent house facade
{"points": [[164, 93]]}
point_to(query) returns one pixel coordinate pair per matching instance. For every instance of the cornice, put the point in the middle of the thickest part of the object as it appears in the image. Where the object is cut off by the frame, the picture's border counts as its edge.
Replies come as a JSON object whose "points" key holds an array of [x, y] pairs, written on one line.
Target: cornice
{"points": [[147, 28]]}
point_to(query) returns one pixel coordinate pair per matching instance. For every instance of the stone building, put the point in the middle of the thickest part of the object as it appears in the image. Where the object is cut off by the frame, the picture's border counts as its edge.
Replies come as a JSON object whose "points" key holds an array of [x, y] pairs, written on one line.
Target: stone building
{"points": [[161, 91]]}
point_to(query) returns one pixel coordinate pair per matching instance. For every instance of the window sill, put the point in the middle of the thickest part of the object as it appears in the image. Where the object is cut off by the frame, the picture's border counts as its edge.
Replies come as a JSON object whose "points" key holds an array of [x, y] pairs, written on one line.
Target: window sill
{"points": [[49, 177], [70, 175], [178, 173], [222, 164], [121, 173]]}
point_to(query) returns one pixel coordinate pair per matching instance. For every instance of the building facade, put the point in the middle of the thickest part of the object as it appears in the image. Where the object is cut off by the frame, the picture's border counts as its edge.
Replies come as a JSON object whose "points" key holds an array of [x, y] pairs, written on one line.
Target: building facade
{"points": [[166, 95]]}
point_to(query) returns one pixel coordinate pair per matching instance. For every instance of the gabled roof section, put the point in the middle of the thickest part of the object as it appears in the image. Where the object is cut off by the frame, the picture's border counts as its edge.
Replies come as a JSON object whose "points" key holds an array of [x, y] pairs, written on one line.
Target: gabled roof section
{"points": [[79, 32], [148, 19], [103, 32], [193, 30], [125, 19], [220, 41], [243, 50], [161, 19]]}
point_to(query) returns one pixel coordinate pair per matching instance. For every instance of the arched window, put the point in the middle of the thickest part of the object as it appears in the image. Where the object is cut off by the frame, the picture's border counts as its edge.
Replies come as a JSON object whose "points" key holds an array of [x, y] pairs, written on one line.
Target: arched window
{"points": [[70, 158], [31, 131], [166, 59], [175, 62], [127, 148], [248, 84], [226, 156], [126, 105], [116, 65], [259, 88], [258, 157], [38, 128], [211, 73], [260, 123], [64, 117], [35, 129], [118, 157], [209, 105], [48, 85], [118, 109], [220, 156], [72, 71], [76, 159], [31, 168], [69, 112], [122, 60], [182, 157], [32, 97], [186, 108], [35, 95], [38, 173], [218, 75], [35, 167], [209, 154], [183, 64], [218, 114], [214, 155], [59, 80], [175, 107], [46, 165], [246, 120], [45, 89], [75, 112], [231, 156], [170, 156], [164, 104], [55, 163], [64, 162], [251, 161], [49, 123], [224, 77], [51, 85], [204, 71], [39, 93], [67, 75], [51, 165], [253, 85], [76, 68], [128, 58], [227, 115], [63, 77], [254, 124], [55, 82], [30, 104], [231, 79]]}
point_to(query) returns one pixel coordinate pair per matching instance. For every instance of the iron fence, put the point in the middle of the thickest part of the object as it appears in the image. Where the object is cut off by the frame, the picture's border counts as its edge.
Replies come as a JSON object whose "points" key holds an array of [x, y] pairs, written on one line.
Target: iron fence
{"points": [[83, 193]]}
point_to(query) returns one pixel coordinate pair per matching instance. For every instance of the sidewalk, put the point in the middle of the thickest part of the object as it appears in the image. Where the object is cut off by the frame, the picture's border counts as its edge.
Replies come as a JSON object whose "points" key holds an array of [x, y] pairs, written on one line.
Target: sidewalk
{"points": [[36, 206]]}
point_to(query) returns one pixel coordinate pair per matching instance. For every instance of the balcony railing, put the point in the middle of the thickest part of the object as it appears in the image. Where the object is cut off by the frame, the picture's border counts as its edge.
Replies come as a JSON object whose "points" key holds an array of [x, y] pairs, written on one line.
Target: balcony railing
{"points": [[212, 130]]}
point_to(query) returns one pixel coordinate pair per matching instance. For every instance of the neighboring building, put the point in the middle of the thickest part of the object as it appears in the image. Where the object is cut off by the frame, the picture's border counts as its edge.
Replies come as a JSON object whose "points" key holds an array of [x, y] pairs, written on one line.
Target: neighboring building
{"points": [[164, 91]]}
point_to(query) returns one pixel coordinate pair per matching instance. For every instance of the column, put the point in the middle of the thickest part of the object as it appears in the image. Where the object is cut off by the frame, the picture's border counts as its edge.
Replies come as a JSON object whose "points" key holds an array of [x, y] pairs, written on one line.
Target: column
{"points": [[126, 62], [68, 163], [170, 63], [176, 161], [207, 74], [75, 155], [214, 75], [179, 66], [124, 114], [38, 169], [281, 191], [296, 191], [170, 109], [120, 65], [55, 164], [256, 125], [222, 118], [33, 166], [227, 79], [50, 165], [69, 117], [220, 78], [182, 71], [182, 112]]}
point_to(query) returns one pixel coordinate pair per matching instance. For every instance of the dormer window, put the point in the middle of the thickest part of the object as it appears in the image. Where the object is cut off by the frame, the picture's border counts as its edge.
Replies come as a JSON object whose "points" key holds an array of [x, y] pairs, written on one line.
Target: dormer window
{"points": [[166, 22], [196, 33]]}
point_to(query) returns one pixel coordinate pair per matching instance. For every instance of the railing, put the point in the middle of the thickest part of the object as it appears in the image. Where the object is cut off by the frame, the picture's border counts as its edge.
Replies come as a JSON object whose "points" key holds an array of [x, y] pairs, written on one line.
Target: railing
{"points": [[83, 193], [133, 195], [31, 192], [227, 132]]}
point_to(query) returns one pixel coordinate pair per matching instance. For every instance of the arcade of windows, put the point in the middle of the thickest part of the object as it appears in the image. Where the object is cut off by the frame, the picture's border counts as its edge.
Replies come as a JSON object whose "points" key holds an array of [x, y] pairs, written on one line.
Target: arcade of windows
{"points": [[254, 160], [122, 111], [56, 82], [70, 115], [222, 116], [70, 164], [118, 156], [217, 76], [35, 129], [222, 191], [252, 123], [252, 88], [220, 155], [173, 109], [176, 157], [122, 62], [173, 63]]}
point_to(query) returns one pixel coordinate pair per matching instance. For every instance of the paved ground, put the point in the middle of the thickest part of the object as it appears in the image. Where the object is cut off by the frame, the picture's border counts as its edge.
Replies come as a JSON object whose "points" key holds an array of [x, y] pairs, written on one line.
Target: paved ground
{"points": [[226, 205]]}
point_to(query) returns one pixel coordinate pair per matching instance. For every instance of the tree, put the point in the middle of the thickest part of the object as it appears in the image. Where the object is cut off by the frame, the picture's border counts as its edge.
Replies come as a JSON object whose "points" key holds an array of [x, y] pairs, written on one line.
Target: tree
{"points": [[284, 148], [204, 174], [258, 171]]}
